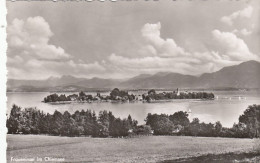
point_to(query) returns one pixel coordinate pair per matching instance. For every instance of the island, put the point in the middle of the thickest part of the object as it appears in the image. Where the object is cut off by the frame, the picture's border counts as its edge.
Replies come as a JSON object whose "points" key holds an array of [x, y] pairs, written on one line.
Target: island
{"points": [[153, 96], [117, 95]]}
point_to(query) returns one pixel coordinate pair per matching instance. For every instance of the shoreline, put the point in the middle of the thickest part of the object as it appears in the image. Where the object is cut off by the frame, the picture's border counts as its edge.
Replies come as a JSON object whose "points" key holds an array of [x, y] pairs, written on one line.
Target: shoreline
{"points": [[122, 102]]}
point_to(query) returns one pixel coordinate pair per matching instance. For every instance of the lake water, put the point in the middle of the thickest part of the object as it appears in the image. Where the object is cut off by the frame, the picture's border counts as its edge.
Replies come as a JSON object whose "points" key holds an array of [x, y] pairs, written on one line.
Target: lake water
{"points": [[225, 109]]}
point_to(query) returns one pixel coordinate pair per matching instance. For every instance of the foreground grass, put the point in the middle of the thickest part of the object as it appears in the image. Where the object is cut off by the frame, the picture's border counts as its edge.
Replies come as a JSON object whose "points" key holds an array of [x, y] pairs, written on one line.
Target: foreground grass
{"points": [[142, 149], [252, 157]]}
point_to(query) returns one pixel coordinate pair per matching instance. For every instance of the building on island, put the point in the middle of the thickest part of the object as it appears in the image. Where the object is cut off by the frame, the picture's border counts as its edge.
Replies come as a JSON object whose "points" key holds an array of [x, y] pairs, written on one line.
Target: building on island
{"points": [[177, 92]]}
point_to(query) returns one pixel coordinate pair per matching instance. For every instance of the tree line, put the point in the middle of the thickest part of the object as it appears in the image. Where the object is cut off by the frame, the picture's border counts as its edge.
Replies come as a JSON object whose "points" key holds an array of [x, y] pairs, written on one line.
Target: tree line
{"points": [[34, 121], [87, 123], [153, 95], [122, 95], [55, 97], [179, 124], [115, 95]]}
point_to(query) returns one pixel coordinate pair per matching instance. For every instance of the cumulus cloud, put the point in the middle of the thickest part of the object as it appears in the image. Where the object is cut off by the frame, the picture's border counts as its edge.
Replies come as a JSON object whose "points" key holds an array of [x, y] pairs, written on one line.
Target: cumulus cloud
{"points": [[147, 50], [31, 37], [164, 47], [234, 48], [184, 65], [30, 55], [165, 55], [244, 13], [243, 32]]}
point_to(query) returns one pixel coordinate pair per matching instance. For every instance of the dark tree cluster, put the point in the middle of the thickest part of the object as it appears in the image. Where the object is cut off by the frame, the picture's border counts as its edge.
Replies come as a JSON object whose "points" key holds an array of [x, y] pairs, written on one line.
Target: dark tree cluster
{"points": [[117, 94], [34, 121], [167, 125], [152, 95], [179, 124], [83, 97], [251, 120], [56, 98]]}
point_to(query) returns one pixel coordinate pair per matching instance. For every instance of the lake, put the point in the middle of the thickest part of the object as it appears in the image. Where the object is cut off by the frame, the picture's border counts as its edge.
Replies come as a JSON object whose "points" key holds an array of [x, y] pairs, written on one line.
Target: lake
{"points": [[226, 109]]}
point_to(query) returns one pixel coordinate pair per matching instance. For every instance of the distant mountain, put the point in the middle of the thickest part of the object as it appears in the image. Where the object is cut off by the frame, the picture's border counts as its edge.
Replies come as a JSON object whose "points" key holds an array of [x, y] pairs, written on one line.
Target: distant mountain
{"points": [[50, 82], [65, 83], [160, 80], [98, 83], [244, 75]]}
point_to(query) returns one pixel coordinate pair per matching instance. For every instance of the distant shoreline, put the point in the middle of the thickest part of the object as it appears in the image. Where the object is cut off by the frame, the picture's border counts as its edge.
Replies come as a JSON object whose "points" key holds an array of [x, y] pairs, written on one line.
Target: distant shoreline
{"points": [[156, 101], [135, 90]]}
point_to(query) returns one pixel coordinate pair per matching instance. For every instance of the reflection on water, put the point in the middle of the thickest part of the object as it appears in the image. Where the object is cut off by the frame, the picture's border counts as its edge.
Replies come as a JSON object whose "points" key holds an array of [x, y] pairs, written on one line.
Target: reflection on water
{"points": [[226, 109]]}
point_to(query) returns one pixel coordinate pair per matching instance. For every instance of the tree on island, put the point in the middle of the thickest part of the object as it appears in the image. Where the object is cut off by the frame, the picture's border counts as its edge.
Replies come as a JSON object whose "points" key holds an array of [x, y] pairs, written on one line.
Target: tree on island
{"points": [[153, 96], [82, 94], [117, 93], [56, 98], [151, 91]]}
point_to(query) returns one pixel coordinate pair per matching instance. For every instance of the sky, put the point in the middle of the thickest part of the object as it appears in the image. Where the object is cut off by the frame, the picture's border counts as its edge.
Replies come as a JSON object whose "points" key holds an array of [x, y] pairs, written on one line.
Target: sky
{"points": [[126, 38]]}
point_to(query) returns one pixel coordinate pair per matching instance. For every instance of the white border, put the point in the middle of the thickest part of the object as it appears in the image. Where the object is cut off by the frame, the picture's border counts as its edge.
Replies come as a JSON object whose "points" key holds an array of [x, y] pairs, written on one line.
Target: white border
{"points": [[3, 73]]}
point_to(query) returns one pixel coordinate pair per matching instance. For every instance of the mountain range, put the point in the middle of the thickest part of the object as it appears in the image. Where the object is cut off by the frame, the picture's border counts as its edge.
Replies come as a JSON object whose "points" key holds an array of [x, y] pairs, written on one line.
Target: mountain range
{"points": [[244, 75]]}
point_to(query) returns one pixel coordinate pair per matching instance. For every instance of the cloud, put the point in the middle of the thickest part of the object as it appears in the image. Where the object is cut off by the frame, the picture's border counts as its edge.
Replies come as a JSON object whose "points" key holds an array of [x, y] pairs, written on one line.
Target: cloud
{"points": [[184, 65], [149, 62], [165, 55], [147, 50], [42, 69], [244, 13], [32, 37], [164, 47], [233, 47], [243, 32], [31, 56]]}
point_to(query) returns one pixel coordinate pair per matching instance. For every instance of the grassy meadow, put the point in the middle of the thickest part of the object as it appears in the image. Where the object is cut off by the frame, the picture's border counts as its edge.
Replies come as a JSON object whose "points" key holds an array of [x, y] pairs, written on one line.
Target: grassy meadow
{"points": [[139, 149]]}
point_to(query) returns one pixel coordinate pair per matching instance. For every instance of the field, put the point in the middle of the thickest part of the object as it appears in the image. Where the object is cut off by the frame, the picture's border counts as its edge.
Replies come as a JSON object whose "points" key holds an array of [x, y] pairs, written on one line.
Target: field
{"points": [[140, 149]]}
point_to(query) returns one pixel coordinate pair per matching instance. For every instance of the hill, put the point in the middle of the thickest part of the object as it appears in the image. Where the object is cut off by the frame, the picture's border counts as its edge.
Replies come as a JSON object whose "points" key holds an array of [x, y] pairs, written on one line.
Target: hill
{"points": [[244, 75]]}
